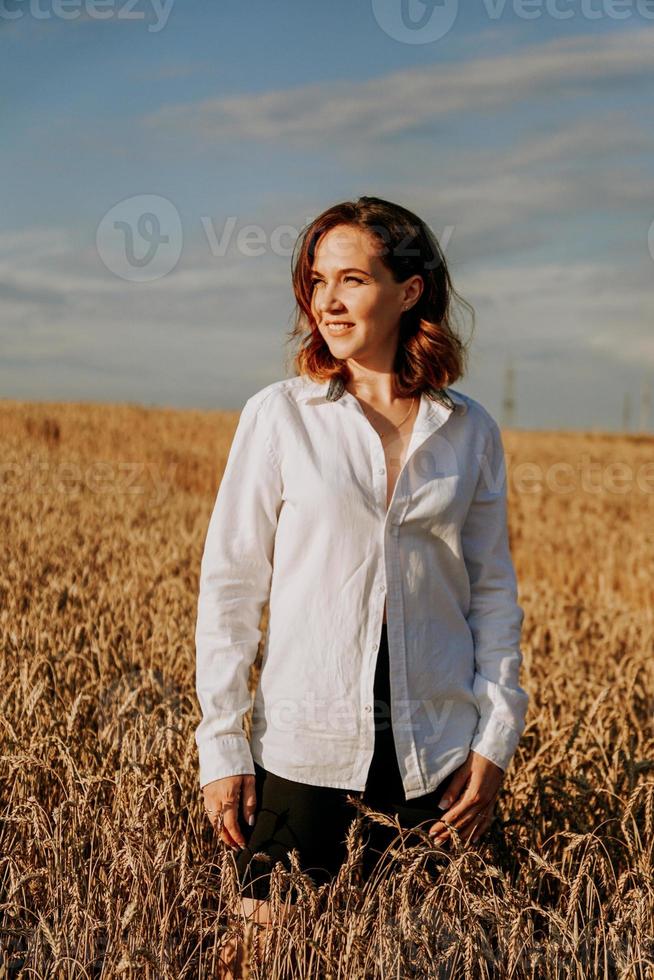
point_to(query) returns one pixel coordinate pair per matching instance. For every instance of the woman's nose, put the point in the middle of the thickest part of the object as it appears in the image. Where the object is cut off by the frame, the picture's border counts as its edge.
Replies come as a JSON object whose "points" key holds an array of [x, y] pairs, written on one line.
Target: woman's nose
{"points": [[329, 300]]}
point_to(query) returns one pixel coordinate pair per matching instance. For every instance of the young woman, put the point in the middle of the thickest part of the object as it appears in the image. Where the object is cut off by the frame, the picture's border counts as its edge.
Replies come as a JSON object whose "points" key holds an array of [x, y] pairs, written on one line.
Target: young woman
{"points": [[365, 501]]}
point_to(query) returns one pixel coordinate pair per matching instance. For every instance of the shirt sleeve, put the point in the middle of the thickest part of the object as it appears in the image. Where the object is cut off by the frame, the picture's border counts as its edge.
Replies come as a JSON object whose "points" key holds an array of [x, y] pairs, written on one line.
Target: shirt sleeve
{"points": [[494, 617], [235, 577]]}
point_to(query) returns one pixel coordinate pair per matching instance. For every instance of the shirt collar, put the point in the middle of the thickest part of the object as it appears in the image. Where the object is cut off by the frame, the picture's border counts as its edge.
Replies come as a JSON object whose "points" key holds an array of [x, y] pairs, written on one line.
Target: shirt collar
{"points": [[333, 390]]}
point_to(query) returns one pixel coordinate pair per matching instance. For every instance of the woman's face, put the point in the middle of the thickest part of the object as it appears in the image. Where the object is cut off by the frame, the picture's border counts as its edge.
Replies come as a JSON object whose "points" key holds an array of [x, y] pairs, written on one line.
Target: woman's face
{"points": [[355, 302]]}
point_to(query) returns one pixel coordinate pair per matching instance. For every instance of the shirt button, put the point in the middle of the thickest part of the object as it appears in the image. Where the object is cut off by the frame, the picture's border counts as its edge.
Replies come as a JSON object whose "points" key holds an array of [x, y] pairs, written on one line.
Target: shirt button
{"points": [[368, 707], [381, 471], [381, 588]]}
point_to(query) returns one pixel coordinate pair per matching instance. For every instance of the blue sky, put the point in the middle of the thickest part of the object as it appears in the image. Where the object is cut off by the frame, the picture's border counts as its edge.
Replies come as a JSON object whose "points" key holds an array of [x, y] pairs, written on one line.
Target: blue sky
{"points": [[523, 136]]}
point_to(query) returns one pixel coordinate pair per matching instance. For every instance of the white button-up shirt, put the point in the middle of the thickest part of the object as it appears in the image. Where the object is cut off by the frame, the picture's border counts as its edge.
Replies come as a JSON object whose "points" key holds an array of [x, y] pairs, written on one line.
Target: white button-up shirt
{"points": [[300, 521]]}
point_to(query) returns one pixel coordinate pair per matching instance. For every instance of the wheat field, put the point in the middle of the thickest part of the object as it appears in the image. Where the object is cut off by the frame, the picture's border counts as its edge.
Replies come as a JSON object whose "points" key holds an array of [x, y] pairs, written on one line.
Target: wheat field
{"points": [[109, 865]]}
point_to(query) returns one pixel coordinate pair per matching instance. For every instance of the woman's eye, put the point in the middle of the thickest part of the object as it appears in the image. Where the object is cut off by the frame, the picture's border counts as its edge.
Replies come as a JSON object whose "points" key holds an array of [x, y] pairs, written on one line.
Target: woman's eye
{"points": [[316, 282]]}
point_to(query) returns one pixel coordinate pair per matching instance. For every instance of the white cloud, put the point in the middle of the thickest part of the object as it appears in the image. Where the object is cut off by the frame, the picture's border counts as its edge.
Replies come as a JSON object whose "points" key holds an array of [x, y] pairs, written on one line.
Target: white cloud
{"points": [[400, 101], [563, 310]]}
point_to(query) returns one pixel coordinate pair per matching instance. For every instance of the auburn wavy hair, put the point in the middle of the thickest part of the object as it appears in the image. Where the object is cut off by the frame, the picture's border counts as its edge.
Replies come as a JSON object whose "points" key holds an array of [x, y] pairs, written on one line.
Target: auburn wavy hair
{"points": [[430, 352]]}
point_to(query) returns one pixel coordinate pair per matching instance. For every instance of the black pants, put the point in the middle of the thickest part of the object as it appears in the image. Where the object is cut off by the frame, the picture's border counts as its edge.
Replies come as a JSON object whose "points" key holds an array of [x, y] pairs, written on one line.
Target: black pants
{"points": [[315, 819]]}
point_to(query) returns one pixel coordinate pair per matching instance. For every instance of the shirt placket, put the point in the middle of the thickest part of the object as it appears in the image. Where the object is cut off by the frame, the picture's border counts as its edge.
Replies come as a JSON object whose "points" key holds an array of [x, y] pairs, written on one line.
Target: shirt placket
{"points": [[378, 466], [399, 682], [387, 586]]}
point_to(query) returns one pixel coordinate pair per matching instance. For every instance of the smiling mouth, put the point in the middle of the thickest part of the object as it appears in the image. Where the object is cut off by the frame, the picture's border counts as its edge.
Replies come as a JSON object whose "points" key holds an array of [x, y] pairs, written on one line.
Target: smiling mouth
{"points": [[337, 328]]}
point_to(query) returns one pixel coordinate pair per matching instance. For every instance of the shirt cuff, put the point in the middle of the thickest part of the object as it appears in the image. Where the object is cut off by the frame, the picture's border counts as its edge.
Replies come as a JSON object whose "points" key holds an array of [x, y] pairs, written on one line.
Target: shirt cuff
{"points": [[225, 755], [495, 741]]}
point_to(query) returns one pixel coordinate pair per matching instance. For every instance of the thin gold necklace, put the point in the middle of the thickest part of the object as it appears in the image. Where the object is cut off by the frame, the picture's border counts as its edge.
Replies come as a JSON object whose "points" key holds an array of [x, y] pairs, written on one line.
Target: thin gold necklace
{"points": [[383, 435]]}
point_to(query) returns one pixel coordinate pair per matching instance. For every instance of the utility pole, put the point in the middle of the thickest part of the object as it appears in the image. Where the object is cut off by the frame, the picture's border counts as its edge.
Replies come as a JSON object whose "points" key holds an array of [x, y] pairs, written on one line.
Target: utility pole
{"points": [[508, 402], [645, 405]]}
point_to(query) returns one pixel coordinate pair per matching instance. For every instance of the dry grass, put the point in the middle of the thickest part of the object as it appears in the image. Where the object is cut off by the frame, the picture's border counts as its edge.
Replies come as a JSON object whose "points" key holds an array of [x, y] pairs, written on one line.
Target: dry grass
{"points": [[109, 867]]}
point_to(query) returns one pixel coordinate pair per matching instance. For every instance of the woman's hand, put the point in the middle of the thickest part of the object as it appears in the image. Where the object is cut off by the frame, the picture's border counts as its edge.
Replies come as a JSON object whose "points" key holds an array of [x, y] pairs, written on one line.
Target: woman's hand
{"points": [[222, 796], [469, 799]]}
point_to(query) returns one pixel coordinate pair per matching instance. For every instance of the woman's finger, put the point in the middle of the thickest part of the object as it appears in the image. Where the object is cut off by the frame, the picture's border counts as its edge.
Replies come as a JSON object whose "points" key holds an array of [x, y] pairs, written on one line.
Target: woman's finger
{"points": [[483, 824], [215, 819], [249, 800], [460, 817], [230, 824]]}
